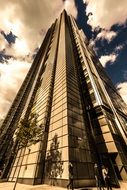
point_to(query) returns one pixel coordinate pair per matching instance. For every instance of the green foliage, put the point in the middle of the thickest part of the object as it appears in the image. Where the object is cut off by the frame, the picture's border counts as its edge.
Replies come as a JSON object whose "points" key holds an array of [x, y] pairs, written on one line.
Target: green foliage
{"points": [[29, 132]]}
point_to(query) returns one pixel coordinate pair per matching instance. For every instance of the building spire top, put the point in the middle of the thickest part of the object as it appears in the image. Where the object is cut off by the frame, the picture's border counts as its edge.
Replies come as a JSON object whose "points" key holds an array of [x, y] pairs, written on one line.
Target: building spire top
{"points": [[64, 11]]}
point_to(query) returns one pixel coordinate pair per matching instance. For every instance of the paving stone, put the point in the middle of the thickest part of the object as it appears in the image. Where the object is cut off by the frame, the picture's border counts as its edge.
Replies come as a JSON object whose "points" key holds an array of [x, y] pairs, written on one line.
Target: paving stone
{"points": [[9, 186]]}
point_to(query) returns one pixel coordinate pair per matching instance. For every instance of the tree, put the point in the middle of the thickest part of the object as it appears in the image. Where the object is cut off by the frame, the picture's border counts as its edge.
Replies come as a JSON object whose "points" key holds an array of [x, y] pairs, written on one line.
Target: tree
{"points": [[28, 133], [54, 166]]}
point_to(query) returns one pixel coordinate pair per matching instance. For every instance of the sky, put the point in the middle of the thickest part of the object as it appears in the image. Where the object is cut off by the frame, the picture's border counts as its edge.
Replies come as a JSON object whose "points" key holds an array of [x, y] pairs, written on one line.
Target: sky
{"points": [[23, 25]]}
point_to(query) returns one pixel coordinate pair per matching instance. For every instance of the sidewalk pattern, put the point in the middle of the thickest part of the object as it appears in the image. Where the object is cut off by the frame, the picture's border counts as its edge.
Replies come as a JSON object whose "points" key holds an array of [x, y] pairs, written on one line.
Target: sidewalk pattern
{"points": [[9, 186]]}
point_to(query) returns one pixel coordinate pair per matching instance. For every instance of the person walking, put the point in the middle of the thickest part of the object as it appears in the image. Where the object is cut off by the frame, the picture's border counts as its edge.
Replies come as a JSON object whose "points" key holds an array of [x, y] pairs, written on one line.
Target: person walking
{"points": [[97, 177], [70, 184], [106, 177]]}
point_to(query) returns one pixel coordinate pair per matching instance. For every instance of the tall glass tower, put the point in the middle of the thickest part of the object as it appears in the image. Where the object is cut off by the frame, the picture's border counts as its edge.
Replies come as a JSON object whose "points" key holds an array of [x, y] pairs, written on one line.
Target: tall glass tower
{"points": [[84, 117]]}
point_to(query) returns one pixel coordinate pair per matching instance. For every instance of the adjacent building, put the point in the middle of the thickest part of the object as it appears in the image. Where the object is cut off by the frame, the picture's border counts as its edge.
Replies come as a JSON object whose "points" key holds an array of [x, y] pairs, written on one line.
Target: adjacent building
{"points": [[83, 116]]}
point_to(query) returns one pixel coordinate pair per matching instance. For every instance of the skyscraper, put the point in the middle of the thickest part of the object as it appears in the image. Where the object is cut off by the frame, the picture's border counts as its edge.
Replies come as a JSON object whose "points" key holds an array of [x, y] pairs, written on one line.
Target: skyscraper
{"points": [[84, 117]]}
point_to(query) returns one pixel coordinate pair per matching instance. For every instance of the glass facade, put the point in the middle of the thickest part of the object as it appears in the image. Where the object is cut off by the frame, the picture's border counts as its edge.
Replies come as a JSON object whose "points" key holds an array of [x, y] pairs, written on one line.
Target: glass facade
{"points": [[83, 117]]}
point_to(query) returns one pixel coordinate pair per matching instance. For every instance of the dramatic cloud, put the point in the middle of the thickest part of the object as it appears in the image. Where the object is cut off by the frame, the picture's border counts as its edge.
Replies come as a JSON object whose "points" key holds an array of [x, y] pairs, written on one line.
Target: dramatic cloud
{"points": [[69, 5], [106, 34], [119, 48], [28, 21], [11, 76], [2, 42], [19, 49], [104, 59], [106, 13], [122, 89]]}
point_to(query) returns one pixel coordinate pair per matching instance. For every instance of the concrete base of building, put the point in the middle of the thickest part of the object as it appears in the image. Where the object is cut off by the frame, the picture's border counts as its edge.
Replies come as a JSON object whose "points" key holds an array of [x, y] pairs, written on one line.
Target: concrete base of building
{"points": [[58, 182], [30, 181], [3, 180], [76, 183]]}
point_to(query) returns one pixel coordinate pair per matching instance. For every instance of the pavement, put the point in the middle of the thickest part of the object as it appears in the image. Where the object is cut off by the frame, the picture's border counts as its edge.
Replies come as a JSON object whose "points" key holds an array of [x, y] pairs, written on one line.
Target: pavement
{"points": [[10, 185]]}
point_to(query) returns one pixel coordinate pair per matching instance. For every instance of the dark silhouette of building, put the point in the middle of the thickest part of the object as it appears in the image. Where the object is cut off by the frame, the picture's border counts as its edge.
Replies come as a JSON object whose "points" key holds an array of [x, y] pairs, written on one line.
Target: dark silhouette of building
{"points": [[84, 117]]}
